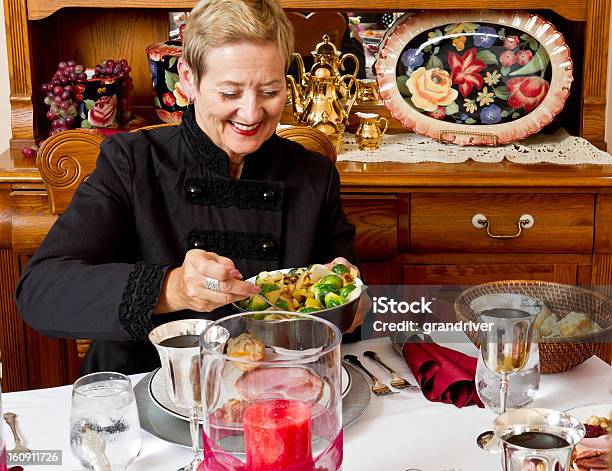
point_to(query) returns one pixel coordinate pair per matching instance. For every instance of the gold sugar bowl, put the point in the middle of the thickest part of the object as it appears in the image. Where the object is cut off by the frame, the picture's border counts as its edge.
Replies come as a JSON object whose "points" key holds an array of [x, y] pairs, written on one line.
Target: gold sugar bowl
{"points": [[367, 92]]}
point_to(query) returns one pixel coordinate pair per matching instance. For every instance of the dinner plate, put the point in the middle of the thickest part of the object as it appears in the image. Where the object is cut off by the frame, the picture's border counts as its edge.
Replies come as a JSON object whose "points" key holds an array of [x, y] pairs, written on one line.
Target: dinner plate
{"points": [[583, 413], [171, 427], [159, 393]]}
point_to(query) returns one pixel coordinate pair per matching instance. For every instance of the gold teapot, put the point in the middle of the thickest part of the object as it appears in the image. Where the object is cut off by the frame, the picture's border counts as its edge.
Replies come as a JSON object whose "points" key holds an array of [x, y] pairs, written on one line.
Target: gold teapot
{"points": [[326, 51], [371, 130], [316, 97]]}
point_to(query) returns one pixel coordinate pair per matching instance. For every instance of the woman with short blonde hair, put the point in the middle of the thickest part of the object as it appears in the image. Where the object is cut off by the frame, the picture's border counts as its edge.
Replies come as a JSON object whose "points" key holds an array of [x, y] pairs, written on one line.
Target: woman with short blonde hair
{"points": [[174, 219]]}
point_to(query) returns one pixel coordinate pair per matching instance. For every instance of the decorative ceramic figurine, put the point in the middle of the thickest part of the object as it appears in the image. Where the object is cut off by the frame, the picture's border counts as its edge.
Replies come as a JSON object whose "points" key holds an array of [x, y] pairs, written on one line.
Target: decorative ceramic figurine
{"points": [[170, 99], [474, 77]]}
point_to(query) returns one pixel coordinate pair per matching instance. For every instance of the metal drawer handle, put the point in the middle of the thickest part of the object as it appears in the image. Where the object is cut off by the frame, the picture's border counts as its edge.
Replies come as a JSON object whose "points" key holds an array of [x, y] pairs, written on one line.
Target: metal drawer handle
{"points": [[526, 221]]}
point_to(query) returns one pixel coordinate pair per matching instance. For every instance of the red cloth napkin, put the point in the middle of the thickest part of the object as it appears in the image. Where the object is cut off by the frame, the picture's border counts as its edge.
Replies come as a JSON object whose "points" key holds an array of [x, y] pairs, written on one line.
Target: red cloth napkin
{"points": [[444, 375]]}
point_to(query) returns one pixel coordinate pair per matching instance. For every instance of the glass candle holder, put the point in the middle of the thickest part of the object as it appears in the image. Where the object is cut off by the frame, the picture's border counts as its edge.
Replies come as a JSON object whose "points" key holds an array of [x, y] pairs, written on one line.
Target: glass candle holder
{"points": [[271, 394]]}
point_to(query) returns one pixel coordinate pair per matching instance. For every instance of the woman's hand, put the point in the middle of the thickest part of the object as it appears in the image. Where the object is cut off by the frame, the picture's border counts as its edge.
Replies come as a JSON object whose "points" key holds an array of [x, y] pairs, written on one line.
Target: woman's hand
{"points": [[184, 287]]}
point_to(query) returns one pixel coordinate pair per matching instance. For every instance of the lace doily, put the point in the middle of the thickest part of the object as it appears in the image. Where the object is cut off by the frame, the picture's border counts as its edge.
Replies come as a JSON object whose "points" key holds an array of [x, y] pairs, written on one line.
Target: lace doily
{"points": [[557, 148]]}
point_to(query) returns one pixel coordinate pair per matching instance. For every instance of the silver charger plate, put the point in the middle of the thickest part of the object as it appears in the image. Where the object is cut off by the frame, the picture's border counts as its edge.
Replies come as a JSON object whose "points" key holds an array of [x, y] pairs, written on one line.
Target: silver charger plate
{"points": [[159, 393], [166, 425]]}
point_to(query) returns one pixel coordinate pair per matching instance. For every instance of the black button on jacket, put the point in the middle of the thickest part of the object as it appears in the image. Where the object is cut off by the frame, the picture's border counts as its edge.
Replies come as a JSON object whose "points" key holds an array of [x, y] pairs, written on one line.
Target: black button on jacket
{"points": [[155, 195]]}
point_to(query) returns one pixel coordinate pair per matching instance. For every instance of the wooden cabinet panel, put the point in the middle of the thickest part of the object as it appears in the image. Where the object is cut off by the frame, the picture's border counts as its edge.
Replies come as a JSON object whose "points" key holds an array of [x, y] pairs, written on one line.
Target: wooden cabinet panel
{"points": [[603, 224], [377, 273], [31, 220], [375, 218], [477, 274], [12, 335], [443, 222]]}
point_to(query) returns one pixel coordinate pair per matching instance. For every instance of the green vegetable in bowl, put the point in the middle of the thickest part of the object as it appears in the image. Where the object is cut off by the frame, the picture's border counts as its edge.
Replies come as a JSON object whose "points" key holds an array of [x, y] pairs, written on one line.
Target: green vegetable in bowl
{"points": [[333, 300], [257, 303], [340, 268], [333, 281], [344, 292], [282, 304], [321, 291], [268, 287]]}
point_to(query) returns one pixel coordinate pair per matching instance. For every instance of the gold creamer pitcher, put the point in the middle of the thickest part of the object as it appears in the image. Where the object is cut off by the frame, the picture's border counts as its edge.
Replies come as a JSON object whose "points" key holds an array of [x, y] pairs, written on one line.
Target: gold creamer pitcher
{"points": [[371, 130]]}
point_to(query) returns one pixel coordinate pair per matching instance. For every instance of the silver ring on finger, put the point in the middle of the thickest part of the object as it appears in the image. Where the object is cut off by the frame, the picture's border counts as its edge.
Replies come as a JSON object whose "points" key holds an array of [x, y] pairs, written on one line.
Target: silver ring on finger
{"points": [[212, 284]]}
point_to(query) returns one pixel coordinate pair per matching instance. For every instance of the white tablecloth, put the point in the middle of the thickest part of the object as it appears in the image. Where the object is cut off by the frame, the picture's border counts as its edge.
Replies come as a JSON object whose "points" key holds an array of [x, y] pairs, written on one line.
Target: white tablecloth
{"points": [[395, 433]]}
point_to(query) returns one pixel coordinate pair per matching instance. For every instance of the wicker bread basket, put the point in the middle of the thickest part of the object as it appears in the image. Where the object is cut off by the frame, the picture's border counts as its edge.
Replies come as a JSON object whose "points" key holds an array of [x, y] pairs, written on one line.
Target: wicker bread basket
{"points": [[558, 354]]}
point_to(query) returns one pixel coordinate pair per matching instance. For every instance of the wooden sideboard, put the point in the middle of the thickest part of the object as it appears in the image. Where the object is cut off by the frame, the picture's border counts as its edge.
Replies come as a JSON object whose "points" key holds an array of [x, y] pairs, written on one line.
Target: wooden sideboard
{"points": [[414, 222]]}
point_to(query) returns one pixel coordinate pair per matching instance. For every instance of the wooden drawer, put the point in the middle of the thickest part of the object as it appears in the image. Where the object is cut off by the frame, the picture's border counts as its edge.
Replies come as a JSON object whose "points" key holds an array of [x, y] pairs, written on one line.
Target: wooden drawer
{"points": [[375, 218], [472, 274], [443, 222]]}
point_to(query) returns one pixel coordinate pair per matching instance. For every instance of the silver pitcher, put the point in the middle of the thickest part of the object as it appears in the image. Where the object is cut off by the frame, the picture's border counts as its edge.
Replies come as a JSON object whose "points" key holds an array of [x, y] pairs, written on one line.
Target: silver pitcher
{"points": [[506, 344], [561, 430]]}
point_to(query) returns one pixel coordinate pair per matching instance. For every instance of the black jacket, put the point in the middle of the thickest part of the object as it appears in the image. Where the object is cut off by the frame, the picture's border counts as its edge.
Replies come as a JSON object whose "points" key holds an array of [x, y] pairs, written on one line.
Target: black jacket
{"points": [[153, 196]]}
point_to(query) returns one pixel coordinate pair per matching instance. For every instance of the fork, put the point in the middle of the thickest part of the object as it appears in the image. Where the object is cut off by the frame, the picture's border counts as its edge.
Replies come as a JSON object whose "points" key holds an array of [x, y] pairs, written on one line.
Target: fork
{"points": [[11, 419], [396, 380], [378, 388]]}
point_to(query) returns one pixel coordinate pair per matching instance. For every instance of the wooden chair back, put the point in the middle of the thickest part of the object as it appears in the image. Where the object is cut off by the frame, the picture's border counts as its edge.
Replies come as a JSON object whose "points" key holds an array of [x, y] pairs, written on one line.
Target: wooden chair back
{"points": [[309, 29], [66, 159], [311, 139]]}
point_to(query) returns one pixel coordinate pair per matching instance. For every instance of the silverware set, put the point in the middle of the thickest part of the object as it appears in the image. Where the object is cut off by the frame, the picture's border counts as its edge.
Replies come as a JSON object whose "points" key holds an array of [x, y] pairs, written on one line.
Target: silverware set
{"points": [[378, 387], [396, 380]]}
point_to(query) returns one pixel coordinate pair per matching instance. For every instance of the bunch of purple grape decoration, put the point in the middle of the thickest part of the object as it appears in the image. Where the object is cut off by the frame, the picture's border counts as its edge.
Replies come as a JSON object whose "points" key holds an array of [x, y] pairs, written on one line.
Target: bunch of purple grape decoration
{"points": [[109, 69], [64, 95]]}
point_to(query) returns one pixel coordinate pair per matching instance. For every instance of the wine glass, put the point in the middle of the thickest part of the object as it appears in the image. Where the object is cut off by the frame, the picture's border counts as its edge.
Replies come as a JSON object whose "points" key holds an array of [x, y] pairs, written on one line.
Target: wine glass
{"points": [[178, 346], [505, 345], [104, 425]]}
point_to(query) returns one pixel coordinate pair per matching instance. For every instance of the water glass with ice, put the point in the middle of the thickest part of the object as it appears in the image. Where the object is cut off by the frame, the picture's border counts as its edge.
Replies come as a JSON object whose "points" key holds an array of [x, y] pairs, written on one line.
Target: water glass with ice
{"points": [[104, 424]]}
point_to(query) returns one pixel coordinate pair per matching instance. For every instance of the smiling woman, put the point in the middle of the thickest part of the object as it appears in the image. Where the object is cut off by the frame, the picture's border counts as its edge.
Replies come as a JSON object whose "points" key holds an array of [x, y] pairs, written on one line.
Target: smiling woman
{"points": [[174, 219], [239, 107]]}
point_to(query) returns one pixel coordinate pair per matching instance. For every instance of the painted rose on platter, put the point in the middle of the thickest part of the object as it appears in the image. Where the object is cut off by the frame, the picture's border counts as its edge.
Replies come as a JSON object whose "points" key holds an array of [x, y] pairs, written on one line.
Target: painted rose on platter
{"points": [[431, 88], [526, 92], [103, 113]]}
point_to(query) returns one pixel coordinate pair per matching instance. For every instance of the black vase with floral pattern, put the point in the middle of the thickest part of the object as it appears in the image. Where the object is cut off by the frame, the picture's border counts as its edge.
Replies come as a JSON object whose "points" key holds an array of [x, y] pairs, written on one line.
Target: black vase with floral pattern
{"points": [[170, 99]]}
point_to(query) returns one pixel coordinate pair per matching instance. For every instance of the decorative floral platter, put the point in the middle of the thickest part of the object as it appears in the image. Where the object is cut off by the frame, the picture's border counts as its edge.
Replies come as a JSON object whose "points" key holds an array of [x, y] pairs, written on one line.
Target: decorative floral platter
{"points": [[474, 77]]}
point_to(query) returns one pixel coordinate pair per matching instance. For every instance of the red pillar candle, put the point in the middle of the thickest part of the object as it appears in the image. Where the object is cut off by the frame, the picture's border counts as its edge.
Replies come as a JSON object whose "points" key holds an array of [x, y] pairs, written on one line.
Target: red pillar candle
{"points": [[278, 436]]}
